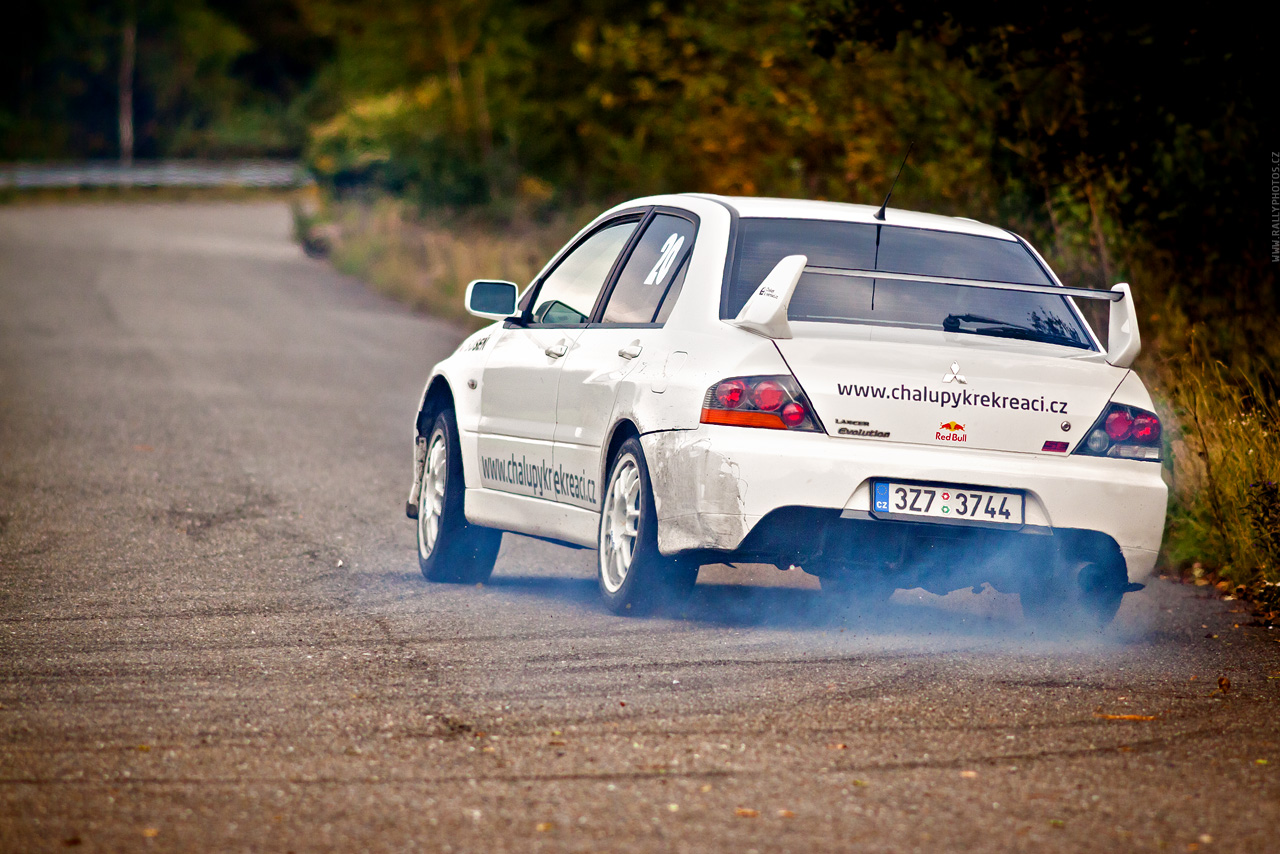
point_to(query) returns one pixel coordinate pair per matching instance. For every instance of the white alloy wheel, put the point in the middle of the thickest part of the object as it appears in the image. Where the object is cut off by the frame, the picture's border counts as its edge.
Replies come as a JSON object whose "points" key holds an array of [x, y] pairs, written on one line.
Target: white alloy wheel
{"points": [[435, 474], [620, 525]]}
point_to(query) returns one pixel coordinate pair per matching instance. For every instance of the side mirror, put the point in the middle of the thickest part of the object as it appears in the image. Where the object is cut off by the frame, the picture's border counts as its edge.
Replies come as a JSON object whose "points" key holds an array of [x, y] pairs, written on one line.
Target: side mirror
{"points": [[1123, 341], [491, 299]]}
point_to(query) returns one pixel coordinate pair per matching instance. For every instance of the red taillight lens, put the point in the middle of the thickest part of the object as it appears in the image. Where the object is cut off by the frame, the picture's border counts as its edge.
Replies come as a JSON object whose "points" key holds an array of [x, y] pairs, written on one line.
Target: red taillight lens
{"points": [[768, 395], [774, 402], [1119, 425], [1122, 431], [1146, 429], [729, 394]]}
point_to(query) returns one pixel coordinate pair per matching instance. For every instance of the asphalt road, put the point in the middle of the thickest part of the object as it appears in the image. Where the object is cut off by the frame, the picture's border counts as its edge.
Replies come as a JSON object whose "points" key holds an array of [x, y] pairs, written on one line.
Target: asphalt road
{"points": [[214, 634]]}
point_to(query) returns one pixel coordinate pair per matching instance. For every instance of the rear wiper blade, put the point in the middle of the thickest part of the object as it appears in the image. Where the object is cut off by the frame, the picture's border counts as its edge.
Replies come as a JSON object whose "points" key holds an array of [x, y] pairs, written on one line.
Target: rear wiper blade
{"points": [[1005, 329]]}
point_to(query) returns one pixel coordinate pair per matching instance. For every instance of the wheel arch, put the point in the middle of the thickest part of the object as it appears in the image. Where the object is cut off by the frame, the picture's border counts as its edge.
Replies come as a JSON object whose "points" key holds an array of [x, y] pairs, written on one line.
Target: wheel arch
{"points": [[623, 430], [437, 398]]}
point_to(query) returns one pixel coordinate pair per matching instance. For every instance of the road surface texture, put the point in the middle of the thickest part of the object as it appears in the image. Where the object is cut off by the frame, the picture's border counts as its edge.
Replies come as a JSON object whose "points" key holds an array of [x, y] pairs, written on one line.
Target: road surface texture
{"points": [[214, 635]]}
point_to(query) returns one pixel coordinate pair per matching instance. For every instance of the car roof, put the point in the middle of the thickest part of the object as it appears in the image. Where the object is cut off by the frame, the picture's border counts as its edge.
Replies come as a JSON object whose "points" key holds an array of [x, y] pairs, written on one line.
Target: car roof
{"points": [[760, 207]]}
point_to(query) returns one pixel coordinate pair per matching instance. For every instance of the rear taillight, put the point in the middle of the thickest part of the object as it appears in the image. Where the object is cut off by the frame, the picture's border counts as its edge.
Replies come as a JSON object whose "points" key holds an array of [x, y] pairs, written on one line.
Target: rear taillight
{"points": [[1123, 431], [775, 402]]}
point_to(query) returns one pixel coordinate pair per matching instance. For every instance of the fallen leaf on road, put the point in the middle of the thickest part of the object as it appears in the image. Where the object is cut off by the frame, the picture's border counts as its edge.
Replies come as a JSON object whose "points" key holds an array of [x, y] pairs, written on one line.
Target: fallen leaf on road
{"points": [[1057, 822], [859, 782], [1124, 717], [150, 832], [969, 775], [1224, 684], [72, 841], [705, 788], [1259, 762], [786, 814], [743, 812], [543, 826], [143, 748], [837, 747], [556, 743], [673, 808], [620, 703]]}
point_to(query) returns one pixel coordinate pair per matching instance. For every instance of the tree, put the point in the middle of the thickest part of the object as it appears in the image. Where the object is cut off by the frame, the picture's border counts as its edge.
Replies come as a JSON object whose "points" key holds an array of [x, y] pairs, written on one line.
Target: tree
{"points": [[1150, 123]]}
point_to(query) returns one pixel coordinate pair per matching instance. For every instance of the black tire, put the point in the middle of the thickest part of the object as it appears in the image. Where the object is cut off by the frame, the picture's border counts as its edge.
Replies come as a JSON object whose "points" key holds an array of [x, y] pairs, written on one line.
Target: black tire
{"points": [[634, 576], [1077, 594], [453, 552]]}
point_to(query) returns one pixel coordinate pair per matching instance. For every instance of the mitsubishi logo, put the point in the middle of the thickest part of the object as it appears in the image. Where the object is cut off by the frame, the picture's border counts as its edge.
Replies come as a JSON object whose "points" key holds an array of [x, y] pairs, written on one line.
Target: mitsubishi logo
{"points": [[955, 375]]}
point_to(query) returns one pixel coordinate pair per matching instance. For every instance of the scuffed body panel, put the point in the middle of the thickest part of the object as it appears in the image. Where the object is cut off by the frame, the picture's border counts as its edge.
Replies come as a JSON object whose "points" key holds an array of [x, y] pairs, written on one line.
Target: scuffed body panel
{"points": [[699, 493]]}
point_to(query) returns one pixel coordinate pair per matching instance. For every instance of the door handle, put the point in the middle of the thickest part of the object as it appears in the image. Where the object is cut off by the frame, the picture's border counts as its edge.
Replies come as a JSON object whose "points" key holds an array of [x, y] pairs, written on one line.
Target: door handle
{"points": [[631, 350], [557, 349]]}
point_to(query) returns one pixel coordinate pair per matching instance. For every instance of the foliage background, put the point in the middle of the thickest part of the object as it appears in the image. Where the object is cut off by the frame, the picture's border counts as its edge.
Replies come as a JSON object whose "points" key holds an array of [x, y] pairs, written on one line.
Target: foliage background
{"points": [[1126, 144]]}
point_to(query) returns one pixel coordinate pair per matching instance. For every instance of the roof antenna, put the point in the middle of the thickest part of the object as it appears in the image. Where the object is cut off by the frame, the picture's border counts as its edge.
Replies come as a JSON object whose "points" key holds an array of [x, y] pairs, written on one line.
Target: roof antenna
{"points": [[880, 213]]}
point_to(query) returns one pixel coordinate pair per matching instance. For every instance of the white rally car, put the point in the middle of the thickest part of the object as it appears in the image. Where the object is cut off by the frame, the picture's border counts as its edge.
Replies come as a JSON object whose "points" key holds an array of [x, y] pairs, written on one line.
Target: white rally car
{"points": [[884, 398]]}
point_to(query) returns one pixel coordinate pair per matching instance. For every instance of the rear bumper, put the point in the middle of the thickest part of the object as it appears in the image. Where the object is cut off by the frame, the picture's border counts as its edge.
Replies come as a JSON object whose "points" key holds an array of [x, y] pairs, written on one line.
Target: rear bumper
{"points": [[713, 485]]}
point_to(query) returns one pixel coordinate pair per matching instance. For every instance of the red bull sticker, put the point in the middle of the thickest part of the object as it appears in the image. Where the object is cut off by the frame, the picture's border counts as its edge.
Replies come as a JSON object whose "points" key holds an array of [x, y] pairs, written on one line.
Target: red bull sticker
{"points": [[950, 431]]}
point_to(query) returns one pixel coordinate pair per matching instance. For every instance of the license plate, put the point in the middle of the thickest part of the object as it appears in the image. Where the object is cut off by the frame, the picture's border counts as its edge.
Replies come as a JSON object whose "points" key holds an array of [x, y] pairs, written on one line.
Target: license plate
{"points": [[933, 501]]}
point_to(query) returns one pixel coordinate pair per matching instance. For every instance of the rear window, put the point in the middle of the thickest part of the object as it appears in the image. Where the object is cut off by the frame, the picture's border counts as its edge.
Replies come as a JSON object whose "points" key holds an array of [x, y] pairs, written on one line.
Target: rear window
{"points": [[761, 243]]}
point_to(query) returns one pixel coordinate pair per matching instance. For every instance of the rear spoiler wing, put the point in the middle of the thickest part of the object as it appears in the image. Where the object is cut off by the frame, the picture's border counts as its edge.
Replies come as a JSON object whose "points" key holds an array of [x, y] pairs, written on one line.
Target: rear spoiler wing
{"points": [[765, 312]]}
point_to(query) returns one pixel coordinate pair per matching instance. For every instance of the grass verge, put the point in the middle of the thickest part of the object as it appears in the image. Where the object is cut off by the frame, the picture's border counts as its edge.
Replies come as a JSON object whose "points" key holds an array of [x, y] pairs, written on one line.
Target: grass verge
{"points": [[427, 261], [1224, 467]]}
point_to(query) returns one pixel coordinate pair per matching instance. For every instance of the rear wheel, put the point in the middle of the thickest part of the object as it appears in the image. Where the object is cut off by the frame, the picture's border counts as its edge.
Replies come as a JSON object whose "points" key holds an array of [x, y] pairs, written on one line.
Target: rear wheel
{"points": [[449, 549], [634, 576]]}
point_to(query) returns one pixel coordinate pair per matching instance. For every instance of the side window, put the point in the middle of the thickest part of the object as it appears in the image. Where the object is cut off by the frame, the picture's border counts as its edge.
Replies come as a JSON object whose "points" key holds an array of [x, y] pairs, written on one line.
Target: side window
{"points": [[569, 292], [673, 292], [656, 264]]}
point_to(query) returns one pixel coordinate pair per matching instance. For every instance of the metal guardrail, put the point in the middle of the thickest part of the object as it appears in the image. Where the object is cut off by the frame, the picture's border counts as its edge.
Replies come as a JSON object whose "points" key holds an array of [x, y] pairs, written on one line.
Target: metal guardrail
{"points": [[162, 173]]}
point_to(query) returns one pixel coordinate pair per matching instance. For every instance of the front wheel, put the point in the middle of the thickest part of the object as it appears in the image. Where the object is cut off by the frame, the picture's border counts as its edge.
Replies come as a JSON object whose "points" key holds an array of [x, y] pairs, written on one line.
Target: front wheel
{"points": [[634, 576], [450, 549]]}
